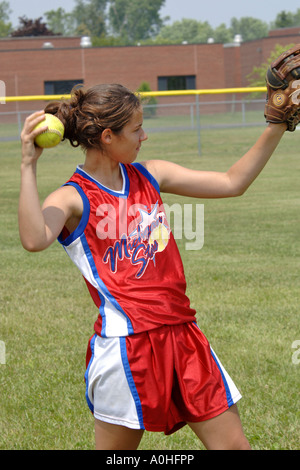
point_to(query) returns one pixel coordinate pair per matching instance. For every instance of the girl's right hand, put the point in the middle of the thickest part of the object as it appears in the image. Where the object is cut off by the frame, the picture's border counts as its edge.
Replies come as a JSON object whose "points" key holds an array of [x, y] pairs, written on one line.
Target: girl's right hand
{"points": [[30, 151]]}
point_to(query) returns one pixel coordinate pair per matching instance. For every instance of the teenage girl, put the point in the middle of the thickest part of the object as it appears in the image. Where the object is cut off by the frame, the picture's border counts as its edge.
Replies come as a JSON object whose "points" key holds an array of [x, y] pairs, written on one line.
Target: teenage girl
{"points": [[149, 366]]}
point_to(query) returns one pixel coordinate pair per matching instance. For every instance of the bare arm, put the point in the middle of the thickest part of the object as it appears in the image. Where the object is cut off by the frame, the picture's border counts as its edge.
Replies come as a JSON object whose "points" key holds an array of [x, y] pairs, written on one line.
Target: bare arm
{"points": [[40, 225], [175, 179]]}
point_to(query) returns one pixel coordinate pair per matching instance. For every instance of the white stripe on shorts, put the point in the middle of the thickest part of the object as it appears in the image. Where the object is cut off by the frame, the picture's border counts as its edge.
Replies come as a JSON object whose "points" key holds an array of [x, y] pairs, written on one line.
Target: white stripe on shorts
{"points": [[232, 393], [110, 389]]}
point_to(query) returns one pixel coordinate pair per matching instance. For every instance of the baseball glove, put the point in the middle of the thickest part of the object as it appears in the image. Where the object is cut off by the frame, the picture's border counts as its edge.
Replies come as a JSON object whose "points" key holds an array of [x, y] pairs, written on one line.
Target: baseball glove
{"points": [[283, 89]]}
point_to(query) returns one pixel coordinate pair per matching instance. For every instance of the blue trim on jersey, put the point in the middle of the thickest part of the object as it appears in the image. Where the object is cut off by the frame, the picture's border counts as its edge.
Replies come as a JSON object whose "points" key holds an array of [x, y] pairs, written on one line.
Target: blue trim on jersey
{"points": [[103, 289], [147, 175], [122, 194], [130, 381], [102, 314], [86, 375], [84, 218], [230, 401]]}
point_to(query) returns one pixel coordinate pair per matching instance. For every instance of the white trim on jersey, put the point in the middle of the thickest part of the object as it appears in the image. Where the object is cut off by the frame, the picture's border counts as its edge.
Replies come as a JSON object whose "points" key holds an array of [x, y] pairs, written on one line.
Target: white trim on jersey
{"points": [[115, 322]]}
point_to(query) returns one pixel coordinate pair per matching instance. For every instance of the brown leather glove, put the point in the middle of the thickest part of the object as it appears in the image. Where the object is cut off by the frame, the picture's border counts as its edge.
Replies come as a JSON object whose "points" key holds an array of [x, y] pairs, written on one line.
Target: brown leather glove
{"points": [[283, 89]]}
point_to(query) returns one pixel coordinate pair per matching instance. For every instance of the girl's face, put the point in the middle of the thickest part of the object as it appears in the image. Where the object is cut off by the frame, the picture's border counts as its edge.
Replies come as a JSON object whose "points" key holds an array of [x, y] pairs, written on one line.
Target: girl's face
{"points": [[126, 145]]}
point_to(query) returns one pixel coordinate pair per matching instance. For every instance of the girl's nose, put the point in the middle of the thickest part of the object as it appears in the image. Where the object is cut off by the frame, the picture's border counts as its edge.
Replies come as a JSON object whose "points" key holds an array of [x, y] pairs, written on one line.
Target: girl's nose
{"points": [[144, 136]]}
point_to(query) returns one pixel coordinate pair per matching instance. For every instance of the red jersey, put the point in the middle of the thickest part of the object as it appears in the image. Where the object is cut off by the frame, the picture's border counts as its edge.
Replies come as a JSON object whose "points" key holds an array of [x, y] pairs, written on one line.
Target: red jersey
{"points": [[127, 254]]}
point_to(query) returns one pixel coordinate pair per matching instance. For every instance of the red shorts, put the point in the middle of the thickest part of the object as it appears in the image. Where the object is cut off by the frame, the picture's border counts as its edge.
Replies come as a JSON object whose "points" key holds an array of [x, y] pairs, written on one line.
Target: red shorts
{"points": [[157, 380]]}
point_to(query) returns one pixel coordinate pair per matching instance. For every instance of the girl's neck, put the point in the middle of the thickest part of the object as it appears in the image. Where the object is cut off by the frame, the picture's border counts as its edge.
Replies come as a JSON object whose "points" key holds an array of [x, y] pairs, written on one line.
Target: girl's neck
{"points": [[103, 169]]}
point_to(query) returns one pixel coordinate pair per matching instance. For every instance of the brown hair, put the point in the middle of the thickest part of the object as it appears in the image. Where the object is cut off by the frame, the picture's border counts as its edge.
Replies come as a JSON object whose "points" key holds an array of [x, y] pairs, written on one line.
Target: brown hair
{"points": [[90, 111]]}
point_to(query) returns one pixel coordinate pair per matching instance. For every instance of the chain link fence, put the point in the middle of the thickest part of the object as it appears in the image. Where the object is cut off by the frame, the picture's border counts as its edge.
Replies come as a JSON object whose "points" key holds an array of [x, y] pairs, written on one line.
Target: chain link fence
{"points": [[172, 114]]}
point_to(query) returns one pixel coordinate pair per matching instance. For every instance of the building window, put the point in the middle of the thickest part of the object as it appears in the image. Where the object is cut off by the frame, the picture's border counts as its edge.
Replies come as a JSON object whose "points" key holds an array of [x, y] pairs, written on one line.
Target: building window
{"points": [[179, 82], [60, 87]]}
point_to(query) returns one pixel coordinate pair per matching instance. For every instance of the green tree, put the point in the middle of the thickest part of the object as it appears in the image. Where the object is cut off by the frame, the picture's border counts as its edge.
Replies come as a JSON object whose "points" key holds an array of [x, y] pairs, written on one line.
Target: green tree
{"points": [[5, 25], [283, 20], [297, 18], [286, 19], [249, 28], [186, 30], [89, 17], [135, 20], [60, 22], [222, 34], [257, 77], [151, 101]]}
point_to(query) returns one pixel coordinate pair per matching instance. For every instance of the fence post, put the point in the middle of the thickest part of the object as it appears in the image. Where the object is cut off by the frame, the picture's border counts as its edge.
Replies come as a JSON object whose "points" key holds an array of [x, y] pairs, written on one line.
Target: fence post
{"points": [[243, 112], [19, 122], [192, 116], [198, 123]]}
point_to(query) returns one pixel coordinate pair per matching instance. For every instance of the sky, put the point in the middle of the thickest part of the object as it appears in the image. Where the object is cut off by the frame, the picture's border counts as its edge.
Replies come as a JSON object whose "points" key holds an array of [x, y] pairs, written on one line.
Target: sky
{"points": [[214, 12]]}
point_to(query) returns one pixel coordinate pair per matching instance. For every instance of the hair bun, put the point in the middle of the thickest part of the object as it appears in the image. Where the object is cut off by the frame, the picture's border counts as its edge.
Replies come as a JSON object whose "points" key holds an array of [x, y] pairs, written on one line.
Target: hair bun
{"points": [[90, 111]]}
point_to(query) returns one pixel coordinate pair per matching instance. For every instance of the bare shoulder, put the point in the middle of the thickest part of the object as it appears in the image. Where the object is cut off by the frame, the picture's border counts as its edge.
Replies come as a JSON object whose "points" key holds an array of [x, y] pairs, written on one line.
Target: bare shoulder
{"points": [[66, 198], [159, 169], [176, 179], [167, 174]]}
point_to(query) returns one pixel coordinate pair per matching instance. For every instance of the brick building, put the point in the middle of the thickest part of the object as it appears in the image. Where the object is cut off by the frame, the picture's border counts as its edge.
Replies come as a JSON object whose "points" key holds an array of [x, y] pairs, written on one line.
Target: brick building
{"points": [[51, 65]]}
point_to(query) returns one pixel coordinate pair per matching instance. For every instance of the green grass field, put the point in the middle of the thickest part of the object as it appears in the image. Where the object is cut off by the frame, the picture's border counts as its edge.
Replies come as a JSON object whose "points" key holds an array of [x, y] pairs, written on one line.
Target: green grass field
{"points": [[244, 284]]}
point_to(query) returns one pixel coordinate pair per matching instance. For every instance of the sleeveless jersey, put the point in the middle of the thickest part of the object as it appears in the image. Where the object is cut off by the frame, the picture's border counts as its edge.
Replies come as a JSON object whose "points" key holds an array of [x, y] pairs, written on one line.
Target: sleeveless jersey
{"points": [[127, 254]]}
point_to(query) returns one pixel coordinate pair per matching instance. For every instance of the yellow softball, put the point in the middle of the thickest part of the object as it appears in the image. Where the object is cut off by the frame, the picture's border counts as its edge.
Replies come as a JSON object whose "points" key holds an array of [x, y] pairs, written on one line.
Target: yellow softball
{"points": [[51, 136]]}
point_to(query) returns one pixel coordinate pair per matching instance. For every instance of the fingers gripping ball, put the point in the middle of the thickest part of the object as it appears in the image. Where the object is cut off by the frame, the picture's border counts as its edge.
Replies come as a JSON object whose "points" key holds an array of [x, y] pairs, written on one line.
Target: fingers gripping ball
{"points": [[283, 89], [51, 136]]}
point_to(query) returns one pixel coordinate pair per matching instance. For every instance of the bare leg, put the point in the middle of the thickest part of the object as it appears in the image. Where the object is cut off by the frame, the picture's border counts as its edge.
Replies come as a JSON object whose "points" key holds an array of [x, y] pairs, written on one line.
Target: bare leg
{"points": [[224, 432], [113, 437]]}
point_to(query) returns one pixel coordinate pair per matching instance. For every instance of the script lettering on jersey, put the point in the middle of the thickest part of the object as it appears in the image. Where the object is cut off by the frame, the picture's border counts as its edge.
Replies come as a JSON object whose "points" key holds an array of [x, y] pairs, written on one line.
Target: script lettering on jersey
{"points": [[150, 236]]}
